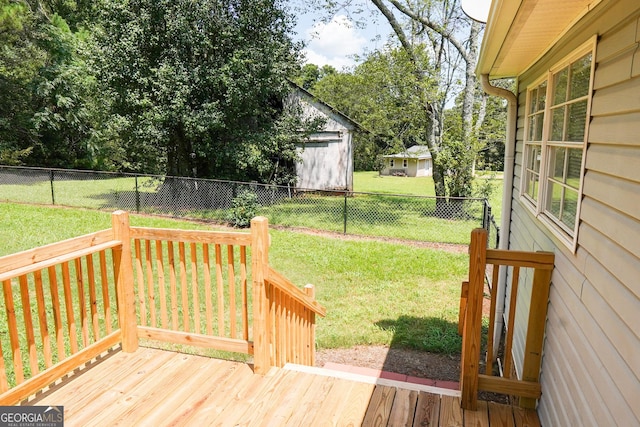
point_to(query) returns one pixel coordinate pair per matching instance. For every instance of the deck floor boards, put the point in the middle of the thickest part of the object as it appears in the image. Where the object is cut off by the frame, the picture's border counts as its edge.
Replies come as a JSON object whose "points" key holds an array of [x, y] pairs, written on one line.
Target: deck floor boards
{"points": [[162, 388]]}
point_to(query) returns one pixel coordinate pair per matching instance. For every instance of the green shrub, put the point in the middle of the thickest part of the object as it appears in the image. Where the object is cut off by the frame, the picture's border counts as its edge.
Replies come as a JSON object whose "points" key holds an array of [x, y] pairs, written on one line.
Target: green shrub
{"points": [[243, 208]]}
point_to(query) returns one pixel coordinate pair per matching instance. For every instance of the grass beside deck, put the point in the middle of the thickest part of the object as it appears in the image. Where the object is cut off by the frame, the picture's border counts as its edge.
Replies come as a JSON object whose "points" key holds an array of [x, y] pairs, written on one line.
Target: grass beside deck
{"points": [[375, 292]]}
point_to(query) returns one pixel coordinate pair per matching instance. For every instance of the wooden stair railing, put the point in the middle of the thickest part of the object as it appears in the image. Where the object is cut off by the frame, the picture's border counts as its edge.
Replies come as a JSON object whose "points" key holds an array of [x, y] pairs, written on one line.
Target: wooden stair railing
{"points": [[470, 322], [66, 303]]}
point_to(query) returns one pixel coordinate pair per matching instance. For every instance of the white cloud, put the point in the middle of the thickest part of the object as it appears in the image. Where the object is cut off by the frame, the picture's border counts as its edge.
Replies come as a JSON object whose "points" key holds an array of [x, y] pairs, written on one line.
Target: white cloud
{"points": [[334, 43]]}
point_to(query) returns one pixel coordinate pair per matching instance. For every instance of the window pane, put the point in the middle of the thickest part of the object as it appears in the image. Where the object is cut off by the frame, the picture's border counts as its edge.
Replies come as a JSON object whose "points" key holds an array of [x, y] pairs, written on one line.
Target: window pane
{"points": [[554, 201], [532, 128], [570, 208], [533, 156], [580, 75], [574, 167], [577, 121], [556, 158], [539, 125], [533, 101], [560, 81], [532, 186], [542, 95], [557, 124]]}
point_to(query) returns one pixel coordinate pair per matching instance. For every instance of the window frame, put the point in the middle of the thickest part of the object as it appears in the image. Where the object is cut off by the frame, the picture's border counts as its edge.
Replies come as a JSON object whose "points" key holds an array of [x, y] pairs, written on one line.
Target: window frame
{"points": [[405, 163], [391, 163], [540, 205]]}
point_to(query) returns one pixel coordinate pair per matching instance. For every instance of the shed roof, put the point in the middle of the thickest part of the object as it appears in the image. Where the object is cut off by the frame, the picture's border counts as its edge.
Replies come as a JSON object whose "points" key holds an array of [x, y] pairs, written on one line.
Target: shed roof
{"points": [[519, 32], [415, 152], [312, 98]]}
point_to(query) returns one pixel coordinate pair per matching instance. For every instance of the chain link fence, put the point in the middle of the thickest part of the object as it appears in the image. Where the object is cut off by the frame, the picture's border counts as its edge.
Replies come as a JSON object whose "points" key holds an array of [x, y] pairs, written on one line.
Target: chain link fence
{"points": [[420, 218]]}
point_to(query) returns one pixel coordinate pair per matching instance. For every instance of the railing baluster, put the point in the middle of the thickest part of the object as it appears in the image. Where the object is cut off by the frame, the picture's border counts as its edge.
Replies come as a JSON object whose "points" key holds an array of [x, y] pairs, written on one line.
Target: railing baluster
{"points": [[13, 331], [508, 358], [57, 312], [161, 284], [310, 290], [207, 288], [195, 288], [184, 291], [28, 324], [243, 285], [82, 306], [492, 320], [140, 280], [106, 299], [278, 324], [93, 298], [220, 290], [68, 302], [232, 291], [150, 283], [173, 286], [42, 318]]}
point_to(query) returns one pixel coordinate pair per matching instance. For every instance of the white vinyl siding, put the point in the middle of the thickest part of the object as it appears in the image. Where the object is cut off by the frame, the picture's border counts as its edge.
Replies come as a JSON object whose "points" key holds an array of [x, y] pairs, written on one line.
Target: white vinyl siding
{"points": [[590, 368]]}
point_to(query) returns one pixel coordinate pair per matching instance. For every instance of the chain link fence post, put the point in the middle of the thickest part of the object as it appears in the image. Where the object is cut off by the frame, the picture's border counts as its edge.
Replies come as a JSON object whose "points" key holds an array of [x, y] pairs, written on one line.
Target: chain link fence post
{"points": [[53, 196], [344, 213], [137, 196]]}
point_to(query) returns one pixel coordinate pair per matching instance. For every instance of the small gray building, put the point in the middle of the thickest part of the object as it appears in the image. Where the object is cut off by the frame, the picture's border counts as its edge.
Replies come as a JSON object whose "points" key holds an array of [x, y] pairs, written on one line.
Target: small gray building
{"points": [[326, 159], [414, 161]]}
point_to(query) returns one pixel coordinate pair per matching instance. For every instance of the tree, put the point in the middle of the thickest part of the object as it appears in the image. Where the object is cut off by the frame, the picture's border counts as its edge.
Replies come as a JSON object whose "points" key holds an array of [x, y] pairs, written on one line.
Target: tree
{"points": [[453, 41], [381, 93], [310, 74], [198, 86], [47, 114]]}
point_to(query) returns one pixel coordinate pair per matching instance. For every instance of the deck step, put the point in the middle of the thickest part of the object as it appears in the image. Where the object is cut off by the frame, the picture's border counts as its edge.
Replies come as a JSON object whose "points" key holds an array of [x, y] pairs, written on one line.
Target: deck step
{"points": [[371, 379]]}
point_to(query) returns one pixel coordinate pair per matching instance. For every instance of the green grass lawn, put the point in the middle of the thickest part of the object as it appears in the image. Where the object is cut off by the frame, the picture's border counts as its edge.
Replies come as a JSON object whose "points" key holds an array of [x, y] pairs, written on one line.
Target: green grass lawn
{"points": [[373, 182], [375, 292]]}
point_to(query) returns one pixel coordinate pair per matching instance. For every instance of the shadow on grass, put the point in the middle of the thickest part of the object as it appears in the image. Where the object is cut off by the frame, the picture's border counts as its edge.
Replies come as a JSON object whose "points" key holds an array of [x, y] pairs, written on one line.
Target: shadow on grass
{"points": [[424, 347], [432, 334]]}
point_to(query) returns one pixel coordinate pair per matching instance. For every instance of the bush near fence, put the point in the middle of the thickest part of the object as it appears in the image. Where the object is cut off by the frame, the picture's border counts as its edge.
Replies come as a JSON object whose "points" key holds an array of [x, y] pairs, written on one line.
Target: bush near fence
{"points": [[421, 218]]}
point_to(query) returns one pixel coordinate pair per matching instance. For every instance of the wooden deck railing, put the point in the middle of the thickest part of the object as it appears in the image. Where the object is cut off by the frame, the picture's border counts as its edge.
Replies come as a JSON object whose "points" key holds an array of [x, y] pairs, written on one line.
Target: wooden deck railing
{"points": [[470, 324], [68, 302]]}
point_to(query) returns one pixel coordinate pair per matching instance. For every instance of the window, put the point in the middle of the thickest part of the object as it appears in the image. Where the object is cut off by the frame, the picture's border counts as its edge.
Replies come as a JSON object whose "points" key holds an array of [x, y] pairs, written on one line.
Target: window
{"points": [[391, 163], [557, 119], [405, 163]]}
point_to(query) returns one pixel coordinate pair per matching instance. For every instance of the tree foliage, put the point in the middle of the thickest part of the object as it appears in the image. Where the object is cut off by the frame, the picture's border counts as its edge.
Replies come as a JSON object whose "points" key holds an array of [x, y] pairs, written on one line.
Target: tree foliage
{"points": [[452, 42], [179, 87], [48, 109], [197, 86], [383, 94]]}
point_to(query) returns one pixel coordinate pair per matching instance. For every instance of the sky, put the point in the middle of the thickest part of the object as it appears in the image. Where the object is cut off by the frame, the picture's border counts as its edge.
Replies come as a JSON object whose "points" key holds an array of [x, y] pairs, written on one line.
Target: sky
{"points": [[336, 42]]}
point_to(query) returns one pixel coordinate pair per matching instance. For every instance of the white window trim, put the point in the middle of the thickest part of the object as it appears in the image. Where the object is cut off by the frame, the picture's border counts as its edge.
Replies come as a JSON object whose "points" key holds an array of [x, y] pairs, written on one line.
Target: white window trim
{"points": [[537, 207], [405, 163]]}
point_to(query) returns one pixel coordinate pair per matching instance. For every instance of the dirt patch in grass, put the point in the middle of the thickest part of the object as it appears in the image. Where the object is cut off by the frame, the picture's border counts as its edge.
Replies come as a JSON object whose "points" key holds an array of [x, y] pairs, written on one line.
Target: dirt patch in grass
{"points": [[401, 361]]}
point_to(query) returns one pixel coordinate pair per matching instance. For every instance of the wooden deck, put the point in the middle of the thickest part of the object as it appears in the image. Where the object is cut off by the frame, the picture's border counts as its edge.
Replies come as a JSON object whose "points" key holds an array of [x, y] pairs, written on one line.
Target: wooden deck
{"points": [[156, 387]]}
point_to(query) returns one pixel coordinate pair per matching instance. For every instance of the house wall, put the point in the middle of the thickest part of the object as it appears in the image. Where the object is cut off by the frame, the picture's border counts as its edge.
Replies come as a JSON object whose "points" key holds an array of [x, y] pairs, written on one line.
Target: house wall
{"points": [[591, 364], [415, 167], [326, 161], [424, 168]]}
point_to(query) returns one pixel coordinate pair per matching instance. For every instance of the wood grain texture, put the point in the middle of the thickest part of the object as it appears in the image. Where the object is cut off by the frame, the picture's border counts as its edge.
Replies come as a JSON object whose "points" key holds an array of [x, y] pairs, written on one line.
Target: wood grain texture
{"points": [[162, 388], [380, 406]]}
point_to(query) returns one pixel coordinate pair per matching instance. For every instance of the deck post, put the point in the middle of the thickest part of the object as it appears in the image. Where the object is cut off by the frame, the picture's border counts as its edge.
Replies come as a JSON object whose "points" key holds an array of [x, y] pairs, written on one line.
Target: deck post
{"points": [[123, 269], [259, 268], [472, 327], [535, 331]]}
